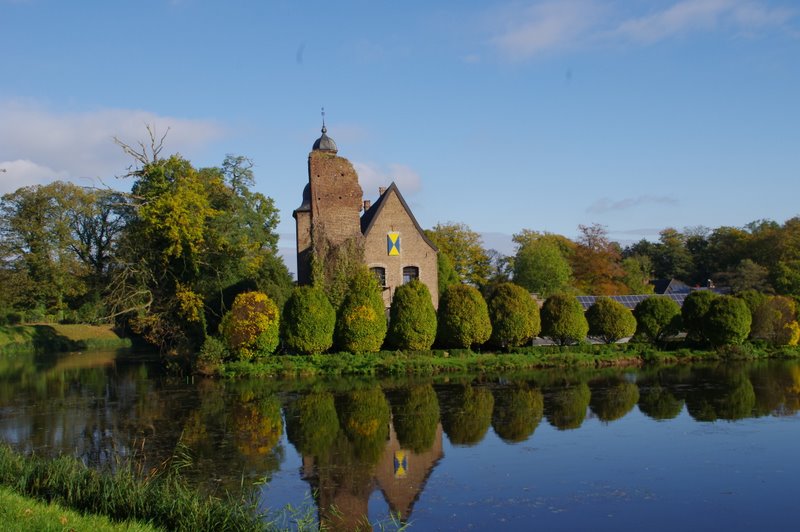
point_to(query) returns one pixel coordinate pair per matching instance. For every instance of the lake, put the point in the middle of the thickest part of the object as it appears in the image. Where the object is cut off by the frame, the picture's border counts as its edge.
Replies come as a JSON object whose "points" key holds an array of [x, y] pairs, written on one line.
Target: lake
{"points": [[662, 448]]}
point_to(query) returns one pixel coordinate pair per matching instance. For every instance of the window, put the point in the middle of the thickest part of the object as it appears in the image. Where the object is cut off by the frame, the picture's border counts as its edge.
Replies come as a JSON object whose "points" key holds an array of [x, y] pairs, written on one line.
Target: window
{"points": [[380, 274], [410, 273]]}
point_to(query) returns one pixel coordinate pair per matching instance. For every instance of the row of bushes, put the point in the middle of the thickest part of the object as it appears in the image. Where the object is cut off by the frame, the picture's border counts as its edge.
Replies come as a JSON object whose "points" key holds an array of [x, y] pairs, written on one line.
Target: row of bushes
{"points": [[510, 317]]}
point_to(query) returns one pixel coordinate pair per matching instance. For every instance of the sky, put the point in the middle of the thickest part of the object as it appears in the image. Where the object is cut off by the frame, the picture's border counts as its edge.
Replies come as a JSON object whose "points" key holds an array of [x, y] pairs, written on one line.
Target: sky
{"points": [[503, 115]]}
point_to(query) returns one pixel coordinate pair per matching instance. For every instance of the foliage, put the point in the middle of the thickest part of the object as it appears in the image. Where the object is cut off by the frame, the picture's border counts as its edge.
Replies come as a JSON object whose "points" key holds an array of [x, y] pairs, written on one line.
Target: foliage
{"points": [[638, 272], [463, 318], [464, 248], [563, 320], [596, 262], [365, 421], [610, 320], [308, 321], [514, 315], [212, 353], [657, 317], [250, 329], [333, 267], [447, 274], [361, 320], [415, 417], [566, 408], [467, 414], [727, 321], [775, 320], [517, 412], [612, 400], [541, 268], [658, 402], [312, 423], [693, 314], [412, 318]]}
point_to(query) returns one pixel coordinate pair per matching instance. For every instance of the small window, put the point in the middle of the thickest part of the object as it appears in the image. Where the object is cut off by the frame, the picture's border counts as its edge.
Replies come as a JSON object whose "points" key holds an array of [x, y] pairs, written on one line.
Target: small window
{"points": [[410, 273], [380, 274]]}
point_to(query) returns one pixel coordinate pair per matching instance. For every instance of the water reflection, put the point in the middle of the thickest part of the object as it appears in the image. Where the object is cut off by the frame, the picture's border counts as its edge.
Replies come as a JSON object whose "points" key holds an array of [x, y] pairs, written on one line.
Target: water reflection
{"points": [[353, 439]]}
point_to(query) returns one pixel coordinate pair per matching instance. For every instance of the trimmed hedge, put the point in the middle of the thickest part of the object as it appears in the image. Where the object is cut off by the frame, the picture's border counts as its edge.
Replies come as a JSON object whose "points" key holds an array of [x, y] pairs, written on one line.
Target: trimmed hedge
{"points": [[250, 328], [308, 321], [563, 320], [463, 318], [727, 321], [412, 321], [610, 320], [693, 313], [656, 318], [361, 320], [514, 315]]}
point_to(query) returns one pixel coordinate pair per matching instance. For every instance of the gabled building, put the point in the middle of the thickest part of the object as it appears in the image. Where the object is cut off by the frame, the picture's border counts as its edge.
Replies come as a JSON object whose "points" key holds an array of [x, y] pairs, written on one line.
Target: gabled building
{"points": [[395, 247]]}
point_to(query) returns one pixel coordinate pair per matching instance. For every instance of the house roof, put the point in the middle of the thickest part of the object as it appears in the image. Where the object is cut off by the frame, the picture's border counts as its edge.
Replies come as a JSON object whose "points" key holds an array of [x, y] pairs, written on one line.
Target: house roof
{"points": [[372, 214]]}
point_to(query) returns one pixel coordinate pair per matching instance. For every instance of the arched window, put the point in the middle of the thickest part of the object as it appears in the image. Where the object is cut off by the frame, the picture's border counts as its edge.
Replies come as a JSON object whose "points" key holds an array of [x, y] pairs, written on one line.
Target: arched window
{"points": [[410, 273], [380, 274]]}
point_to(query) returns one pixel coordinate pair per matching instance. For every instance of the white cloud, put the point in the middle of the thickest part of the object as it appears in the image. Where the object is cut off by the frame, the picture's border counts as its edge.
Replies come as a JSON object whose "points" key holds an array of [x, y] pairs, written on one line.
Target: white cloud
{"points": [[606, 204], [525, 30], [531, 29], [702, 15], [41, 145], [372, 176]]}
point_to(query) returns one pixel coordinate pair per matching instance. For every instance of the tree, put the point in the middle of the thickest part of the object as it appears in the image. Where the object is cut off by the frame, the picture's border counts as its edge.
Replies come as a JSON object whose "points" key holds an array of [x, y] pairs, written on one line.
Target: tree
{"points": [[308, 321], [412, 318], [464, 248], [514, 316], [747, 275], [250, 329], [693, 313], [463, 318], [657, 317], [638, 273], [610, 320], [727, 321], [775, 320], [447, 274], [361, 320], [563, 320], [596, 262], [540, 267]]}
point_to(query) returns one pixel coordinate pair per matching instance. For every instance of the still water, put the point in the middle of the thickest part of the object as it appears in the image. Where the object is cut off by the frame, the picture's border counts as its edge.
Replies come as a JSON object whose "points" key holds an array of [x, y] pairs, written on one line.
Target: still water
{"points": [[691, 447]]}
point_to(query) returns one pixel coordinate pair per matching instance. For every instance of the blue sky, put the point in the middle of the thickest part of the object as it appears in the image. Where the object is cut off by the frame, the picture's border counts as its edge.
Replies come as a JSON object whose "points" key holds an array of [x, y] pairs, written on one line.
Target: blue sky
{"points": [[636, 114]]}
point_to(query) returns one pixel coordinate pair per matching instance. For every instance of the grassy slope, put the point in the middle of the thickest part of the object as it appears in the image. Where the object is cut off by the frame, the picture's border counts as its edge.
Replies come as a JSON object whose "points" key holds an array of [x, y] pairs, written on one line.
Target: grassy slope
{"points": [[23, 514], [57, 337]]}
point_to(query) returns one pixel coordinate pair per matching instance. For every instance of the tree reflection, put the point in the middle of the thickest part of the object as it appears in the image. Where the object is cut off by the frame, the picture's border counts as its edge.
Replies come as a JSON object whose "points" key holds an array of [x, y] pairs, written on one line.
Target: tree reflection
{"points": [[365, 421], [468, 413], [721, 394], [565, 407], [517, 412], [312, 423], [612, 399], [415, 416], [658, 402]]}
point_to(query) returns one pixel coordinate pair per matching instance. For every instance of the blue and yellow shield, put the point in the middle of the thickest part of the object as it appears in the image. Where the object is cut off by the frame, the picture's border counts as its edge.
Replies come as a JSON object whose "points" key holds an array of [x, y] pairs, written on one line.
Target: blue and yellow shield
{"points": [[393, 244]]}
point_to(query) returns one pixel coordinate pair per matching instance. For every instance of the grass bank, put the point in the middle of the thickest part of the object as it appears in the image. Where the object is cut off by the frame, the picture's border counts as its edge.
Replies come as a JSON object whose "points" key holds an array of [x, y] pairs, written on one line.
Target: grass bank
{"points": [[160, 499], [389, 363], [18, 513], [57, 337]]}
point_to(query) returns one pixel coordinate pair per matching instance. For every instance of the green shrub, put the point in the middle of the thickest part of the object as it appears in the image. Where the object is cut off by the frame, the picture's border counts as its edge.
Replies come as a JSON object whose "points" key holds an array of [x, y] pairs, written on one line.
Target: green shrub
{"points": [[774, 320], [463, 318], [412, 322], [563, 320], [657, 317], [212, 353], [308, 321], [361, 321], [753, 298], [693, 314], [610, 320], [514, 315], [250, 329], [727, 321]]}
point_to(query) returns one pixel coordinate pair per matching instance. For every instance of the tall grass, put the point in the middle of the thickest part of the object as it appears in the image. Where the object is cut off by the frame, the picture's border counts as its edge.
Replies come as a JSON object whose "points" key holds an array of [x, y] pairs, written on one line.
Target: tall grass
{"points": [[161, 497]]}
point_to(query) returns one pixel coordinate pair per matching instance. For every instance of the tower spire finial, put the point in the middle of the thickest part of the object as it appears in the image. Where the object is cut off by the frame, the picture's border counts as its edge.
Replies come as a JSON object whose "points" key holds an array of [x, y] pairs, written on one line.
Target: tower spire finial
{"points": [[324, 129]]}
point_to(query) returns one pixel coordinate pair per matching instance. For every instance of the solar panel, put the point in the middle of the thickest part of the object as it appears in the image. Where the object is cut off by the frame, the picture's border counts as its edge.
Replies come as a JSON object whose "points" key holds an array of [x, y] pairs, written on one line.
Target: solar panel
{"points": [[630, 301]]}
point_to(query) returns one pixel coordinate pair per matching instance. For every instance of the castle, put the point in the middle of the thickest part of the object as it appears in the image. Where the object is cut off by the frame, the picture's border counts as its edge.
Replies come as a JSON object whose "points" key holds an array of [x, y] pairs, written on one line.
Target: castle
{"points": [[395, 247]]}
